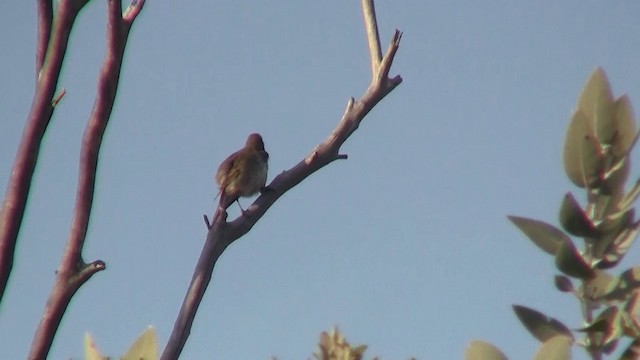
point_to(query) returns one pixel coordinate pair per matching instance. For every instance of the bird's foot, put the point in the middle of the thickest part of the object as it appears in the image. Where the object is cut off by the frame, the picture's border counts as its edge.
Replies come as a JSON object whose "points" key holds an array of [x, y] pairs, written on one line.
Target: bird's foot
{"points": [[265, 189], [243, 211]]}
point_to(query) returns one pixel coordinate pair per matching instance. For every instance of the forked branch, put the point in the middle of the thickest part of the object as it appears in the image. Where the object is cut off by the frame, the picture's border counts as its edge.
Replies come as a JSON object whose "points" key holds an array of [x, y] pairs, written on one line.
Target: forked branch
{"points": [[73, 271], [222, 233], [53, 36]]}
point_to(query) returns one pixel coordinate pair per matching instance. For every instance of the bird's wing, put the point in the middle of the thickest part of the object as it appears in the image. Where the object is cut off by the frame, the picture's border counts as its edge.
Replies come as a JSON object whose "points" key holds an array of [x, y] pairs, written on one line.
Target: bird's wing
{"points": [[224, 169]]}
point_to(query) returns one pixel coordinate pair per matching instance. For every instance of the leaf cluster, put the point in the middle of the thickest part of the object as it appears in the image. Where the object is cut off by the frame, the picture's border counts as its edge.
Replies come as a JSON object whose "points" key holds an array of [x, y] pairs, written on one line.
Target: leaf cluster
{"points": [[334, 346], [145, 347], [594, 238]]}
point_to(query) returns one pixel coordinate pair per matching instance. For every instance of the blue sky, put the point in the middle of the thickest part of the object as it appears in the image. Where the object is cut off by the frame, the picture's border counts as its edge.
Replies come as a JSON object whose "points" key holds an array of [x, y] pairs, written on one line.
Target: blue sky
{"points": [[405, 246]]}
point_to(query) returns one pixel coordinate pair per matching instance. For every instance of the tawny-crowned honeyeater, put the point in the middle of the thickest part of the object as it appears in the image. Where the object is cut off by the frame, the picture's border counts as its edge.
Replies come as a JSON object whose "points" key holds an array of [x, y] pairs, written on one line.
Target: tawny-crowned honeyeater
{"points": [[243, 173]]}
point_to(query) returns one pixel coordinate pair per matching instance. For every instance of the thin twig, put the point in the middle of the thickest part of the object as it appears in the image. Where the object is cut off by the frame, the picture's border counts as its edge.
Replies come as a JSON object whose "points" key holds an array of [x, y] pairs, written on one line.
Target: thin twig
{"points": [[222, 233], [73, 271], [58, 97], [37, 121], [373, 38]]}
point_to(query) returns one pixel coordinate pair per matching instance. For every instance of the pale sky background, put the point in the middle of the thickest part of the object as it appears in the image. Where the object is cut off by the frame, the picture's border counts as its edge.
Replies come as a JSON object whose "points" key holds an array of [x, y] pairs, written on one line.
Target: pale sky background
{"points": [[405, 246]]}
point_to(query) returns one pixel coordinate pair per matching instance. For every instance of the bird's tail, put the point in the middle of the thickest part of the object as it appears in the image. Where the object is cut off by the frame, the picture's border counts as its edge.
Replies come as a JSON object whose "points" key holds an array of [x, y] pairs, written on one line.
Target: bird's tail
{"points": [[225, 200], [223, 204]]}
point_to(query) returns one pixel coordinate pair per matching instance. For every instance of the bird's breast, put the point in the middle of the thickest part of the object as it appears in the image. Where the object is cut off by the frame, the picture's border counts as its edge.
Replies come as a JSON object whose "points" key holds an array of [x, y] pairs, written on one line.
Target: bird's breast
{"points": [[254, 176], [261, 174]]}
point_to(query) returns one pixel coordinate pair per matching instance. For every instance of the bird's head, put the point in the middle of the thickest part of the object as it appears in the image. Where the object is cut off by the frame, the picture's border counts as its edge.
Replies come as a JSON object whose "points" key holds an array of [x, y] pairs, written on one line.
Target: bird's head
{"points": [[254, 141]]}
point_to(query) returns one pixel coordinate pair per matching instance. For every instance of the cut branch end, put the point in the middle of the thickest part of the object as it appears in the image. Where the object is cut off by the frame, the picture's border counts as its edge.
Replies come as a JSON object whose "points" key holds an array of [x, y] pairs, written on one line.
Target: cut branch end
{"points": [[88, 270], [132, 11]]}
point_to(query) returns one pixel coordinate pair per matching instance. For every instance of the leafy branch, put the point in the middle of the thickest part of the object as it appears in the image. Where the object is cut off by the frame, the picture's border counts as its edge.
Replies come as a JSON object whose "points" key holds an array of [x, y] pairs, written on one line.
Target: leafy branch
{"points": [[599, 140]]}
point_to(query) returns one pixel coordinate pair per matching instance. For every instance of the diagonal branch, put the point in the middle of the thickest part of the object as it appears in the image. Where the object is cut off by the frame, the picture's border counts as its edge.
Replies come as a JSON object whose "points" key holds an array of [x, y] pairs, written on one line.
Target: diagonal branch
{"points": [[222, 233], [37, 121], [73, 271]]}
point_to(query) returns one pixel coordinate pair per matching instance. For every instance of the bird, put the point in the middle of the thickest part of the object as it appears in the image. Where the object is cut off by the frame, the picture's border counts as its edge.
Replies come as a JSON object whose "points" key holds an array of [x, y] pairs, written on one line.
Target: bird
{"points": [[243, 173]]}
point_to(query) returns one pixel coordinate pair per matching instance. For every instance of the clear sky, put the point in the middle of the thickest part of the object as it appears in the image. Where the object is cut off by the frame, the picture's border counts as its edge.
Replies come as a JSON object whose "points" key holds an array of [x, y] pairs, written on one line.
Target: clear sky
{"points": [[405, 246]]}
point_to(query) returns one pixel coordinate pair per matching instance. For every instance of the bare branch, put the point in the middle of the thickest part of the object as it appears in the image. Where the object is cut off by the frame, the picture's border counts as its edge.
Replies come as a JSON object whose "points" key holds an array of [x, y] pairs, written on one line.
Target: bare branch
{"points": [[45, 17], [73, 271], [222, 233], [387, 60], [215, 244], [37, 121], [373, 38]]}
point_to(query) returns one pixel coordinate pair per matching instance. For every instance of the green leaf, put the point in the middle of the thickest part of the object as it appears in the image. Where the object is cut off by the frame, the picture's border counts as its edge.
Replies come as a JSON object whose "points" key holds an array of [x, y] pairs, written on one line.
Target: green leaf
{"points": [[629, 324], [144, 348], [556, 348], [598, 326], [624, 127], [583, 155], [631, 196], [571, 263], [608, 205], [616, 220], [480, 350], [632, 307], [596, 101], [611, 228], [618, 249], [600, 287], [616, 177], [606, 328], [608, 288], [539, 325], [630, 279], [603, 322], [546, 237], [91, 351], [593, 161], [574, 220]]}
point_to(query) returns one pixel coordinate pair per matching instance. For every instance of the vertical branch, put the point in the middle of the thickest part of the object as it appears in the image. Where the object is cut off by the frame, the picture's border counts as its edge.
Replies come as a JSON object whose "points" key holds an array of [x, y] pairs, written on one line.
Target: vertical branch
{"points": [[73, 271], [45, 17], [37, 121], [373, 38]]}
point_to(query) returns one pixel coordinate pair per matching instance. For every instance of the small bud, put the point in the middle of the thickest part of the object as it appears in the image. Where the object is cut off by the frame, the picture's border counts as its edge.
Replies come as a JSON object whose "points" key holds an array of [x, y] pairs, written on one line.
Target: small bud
{"points": [[563, 283]]}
